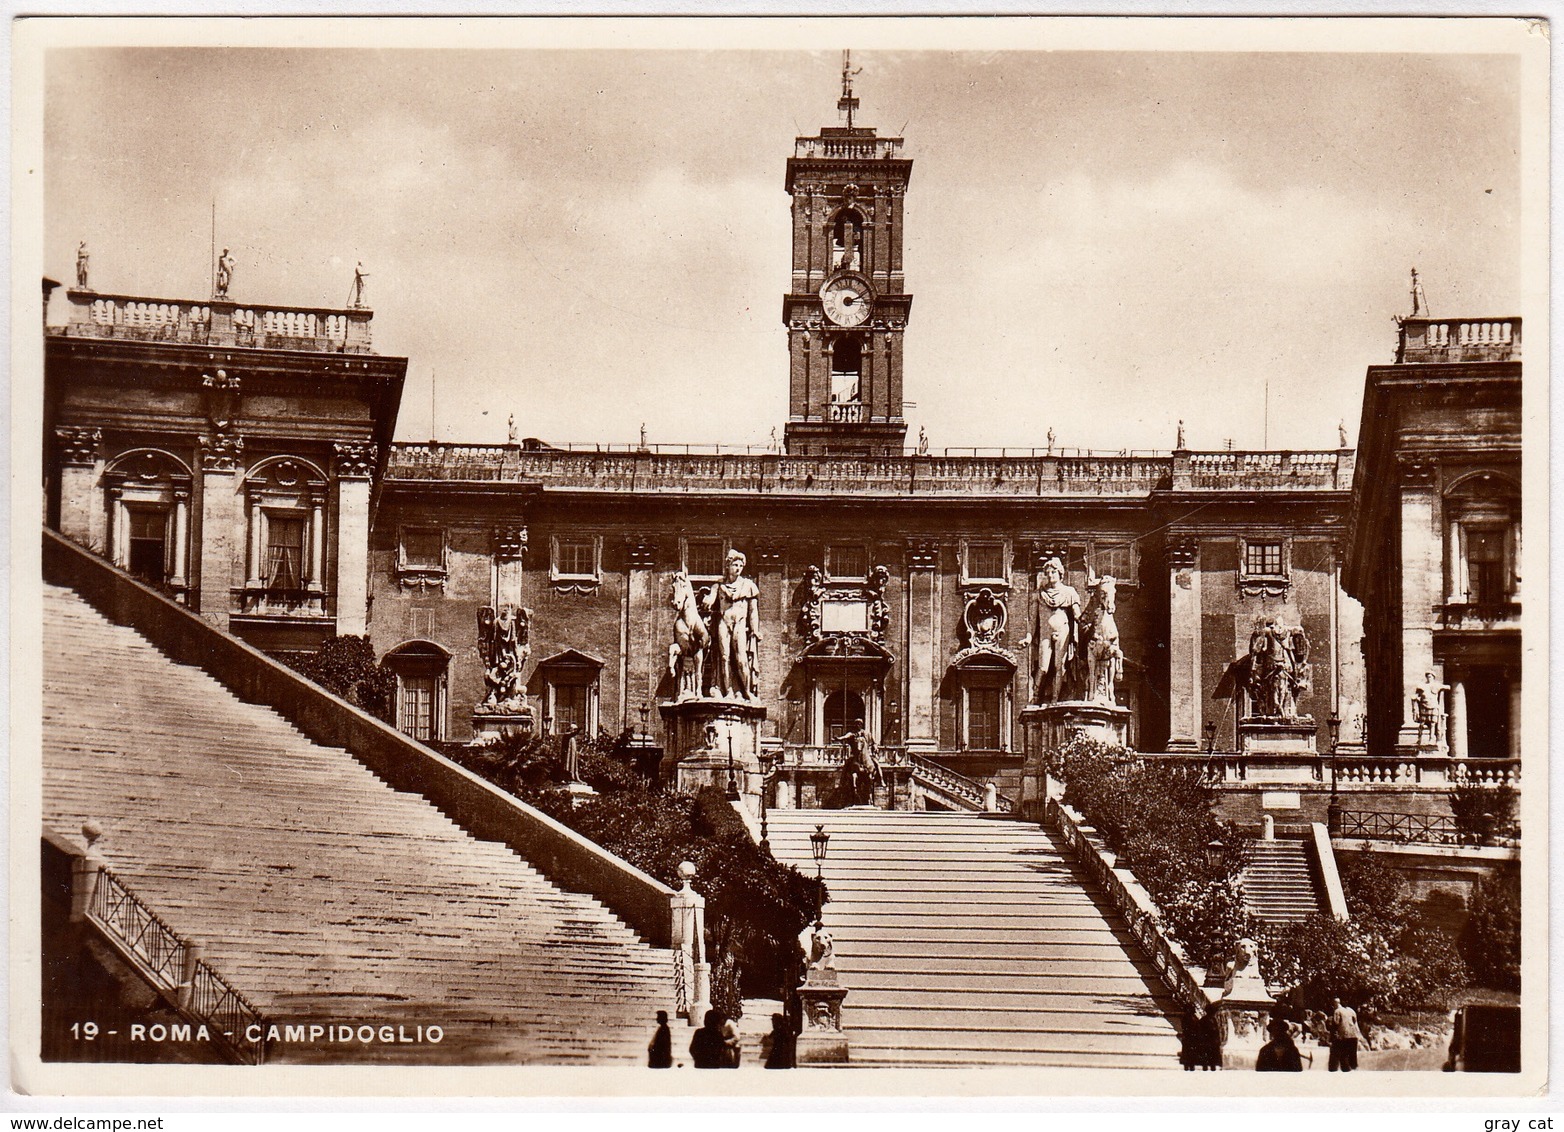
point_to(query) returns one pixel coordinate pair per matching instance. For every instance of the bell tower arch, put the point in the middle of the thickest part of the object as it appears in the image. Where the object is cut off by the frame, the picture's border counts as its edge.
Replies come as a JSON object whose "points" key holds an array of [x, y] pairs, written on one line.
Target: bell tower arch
{"points": [[846, 311]]}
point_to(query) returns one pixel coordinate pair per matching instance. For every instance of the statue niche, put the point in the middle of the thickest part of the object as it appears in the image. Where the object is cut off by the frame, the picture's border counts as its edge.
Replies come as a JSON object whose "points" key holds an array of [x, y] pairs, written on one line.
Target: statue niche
{"points": [[503, 634]]}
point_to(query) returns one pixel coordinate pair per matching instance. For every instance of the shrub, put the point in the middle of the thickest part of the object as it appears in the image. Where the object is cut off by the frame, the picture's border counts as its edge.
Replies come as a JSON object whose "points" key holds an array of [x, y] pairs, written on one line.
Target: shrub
{"points": [[1484, 814], [1491, 940], [1158, 819], [346, 667], [1322, 957]]}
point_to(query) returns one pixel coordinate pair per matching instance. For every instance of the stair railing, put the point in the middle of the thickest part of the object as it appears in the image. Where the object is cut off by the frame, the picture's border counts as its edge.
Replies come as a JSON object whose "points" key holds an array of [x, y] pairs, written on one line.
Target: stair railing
{"points": [[174, 966], [1133, 903], [958, 786]]}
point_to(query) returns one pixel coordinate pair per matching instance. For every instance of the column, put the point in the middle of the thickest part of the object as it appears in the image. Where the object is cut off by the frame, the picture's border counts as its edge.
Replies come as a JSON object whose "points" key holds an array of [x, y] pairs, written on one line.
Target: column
{"points": [[355, 469], [79, 475], [1455, 724], [317, 543], [1515, 714], [252, 578], [119, 537], [220, 522], [920, 722], [181, 541], [1184, 702], [1421, 585]]}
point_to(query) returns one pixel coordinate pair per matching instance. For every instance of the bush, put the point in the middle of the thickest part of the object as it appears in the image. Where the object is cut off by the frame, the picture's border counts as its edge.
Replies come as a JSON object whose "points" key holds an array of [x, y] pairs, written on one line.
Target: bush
{"points": [[1485, 815], [346, 667], [1491, 941], [1158, 820]]}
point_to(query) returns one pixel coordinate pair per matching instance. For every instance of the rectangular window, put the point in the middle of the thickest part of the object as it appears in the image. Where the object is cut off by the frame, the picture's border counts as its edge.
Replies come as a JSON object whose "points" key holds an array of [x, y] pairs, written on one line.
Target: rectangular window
{"points": [[423, 548], [985, 562], [1263, 559], [703, 558], [1114, 559], [983, 719], [1485, 566], [148, 555], [284, 552], [575, 558], [847, 561], [570, 708], [415, 712]]}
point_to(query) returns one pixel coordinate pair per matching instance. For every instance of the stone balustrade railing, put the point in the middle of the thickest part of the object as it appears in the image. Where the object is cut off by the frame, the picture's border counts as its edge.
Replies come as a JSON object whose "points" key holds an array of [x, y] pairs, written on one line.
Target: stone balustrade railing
{"points": [[1351, 771], [216, 322], [777, 473], [1459, 339], [1185, 982], [860, 148]]}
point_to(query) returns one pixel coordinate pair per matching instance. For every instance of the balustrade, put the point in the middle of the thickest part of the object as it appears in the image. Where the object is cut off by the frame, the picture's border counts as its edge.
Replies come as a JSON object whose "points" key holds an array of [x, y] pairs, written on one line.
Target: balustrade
{"points": [[133, 318], [1460, 339], [170, 963]]}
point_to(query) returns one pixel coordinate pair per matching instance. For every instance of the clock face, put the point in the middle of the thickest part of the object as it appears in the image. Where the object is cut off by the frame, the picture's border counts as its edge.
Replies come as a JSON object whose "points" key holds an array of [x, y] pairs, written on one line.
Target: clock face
{"points": [[846, 300]]}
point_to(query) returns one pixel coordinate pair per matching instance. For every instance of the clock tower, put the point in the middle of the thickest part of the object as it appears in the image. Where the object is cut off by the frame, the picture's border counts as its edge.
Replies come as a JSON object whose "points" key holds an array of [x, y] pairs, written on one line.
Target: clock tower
{"points": [[847, 309]]}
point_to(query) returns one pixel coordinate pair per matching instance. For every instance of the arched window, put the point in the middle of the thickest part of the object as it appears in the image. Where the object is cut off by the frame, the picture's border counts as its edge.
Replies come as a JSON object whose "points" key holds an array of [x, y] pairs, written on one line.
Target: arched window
{"points": [[847, 241], [149, 518], [285, 500]]}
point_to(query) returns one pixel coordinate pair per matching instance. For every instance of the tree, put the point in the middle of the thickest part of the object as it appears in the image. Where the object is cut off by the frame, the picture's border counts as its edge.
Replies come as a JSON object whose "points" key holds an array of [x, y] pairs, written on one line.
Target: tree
{"points": [[346, 667]]}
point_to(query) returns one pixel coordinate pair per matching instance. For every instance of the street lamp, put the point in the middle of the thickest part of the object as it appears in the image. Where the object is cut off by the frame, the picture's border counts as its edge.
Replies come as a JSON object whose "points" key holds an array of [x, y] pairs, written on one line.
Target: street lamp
{"points": [[1333, 810], [733, 781], [819, 841], [1210, 736], [770, 763], [1216, 853], [646, 711]]}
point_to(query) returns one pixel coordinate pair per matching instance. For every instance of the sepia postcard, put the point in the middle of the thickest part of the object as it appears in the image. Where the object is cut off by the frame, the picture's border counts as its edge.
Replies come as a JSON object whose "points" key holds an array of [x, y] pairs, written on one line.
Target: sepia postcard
{"points": [[947, 556]]}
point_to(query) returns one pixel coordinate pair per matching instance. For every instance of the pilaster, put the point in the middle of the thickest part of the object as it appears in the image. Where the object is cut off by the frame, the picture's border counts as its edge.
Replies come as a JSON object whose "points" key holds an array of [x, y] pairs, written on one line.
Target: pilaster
{"points": [[355, 467], [644, 636], [1422, 554], [1184, 701], [80, 471], [920, 724], [222, 525]]}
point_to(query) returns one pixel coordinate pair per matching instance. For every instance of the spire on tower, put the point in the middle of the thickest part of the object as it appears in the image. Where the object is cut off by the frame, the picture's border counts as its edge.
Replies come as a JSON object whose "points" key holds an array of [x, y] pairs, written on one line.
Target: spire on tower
{"points": [[847, 104]]}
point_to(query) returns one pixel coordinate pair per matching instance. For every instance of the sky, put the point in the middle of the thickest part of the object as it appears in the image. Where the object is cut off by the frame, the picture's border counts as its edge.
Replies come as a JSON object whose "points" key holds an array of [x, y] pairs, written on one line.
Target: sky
{"points": [[1098, 243]]}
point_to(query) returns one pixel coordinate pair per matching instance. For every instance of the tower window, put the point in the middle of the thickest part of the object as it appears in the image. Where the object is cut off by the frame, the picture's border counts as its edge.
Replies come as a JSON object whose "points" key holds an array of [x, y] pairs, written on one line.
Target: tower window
{"points": [[847, 241], [846, 370]]}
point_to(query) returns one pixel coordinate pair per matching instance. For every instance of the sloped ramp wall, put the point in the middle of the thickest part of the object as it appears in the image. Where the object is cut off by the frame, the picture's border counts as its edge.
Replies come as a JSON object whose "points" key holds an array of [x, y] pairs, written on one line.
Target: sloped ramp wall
{"points": [[477, 806]]}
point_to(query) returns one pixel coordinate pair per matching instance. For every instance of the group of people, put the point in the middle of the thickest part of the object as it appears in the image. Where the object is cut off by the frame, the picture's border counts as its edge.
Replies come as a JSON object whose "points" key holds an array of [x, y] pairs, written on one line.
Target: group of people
{"points": [[1202, 1041], [718, 1044]]}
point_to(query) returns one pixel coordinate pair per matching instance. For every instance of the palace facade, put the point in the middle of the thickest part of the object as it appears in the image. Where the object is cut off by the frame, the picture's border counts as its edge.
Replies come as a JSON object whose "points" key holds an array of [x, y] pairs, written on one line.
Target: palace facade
{"points": [[241, 457]]}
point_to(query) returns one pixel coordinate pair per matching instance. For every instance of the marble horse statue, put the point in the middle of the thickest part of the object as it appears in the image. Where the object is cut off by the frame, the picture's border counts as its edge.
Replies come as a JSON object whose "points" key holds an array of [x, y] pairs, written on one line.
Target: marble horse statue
{"points": [[1104, 660], [691, 638]]}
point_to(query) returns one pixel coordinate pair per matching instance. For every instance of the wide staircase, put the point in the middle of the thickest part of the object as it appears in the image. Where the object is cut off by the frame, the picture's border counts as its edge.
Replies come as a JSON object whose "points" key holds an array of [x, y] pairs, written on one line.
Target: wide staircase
{"points": [[319, 892], [967, 940], [1278, 881]]}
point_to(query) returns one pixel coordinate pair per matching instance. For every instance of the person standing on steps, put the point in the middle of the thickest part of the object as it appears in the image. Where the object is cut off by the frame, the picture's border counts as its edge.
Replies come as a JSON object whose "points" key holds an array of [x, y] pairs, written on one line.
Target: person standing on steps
{"points": [[659, 1052], [732, 1043], [1344, 1037]]}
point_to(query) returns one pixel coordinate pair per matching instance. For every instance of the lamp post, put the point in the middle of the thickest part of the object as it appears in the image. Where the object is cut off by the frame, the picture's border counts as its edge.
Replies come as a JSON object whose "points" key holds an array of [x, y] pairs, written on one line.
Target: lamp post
{"points": [[1216, 853], [1333, 810], [819, 842], [733, 781], [769, 765], [1210, 736]]}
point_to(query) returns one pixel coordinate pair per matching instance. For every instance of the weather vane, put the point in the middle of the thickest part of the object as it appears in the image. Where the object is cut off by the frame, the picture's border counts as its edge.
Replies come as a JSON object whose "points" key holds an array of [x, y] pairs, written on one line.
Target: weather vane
{"points": [[847, 103]]}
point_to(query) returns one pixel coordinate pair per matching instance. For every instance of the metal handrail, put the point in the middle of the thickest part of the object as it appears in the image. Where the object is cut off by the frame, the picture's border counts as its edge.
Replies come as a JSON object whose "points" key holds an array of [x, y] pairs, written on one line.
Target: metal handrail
{"points": [[163, 957]]}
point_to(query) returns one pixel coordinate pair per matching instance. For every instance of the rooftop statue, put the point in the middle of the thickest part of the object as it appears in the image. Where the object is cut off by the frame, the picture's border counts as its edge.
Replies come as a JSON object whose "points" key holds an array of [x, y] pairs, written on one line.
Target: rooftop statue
{"points": [[225, 275], [81, 265]]}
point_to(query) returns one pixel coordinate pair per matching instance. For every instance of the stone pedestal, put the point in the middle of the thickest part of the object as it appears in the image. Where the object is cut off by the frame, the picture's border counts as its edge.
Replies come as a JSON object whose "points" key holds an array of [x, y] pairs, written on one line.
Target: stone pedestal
{"points": [[492, 726], [1265, 736], [1046, 727], [692, 759], [823, 1040]]}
